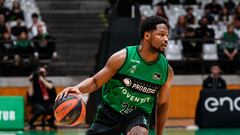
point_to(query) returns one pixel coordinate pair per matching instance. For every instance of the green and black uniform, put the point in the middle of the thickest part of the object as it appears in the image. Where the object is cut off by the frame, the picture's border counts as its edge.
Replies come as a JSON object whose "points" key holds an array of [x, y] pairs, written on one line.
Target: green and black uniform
{"points": [[130, 95]]}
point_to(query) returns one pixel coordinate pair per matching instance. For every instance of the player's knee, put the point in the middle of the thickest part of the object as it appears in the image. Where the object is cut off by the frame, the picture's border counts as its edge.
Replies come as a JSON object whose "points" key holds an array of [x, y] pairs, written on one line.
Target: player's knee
{"points": [[144, 131], [138, 130]]}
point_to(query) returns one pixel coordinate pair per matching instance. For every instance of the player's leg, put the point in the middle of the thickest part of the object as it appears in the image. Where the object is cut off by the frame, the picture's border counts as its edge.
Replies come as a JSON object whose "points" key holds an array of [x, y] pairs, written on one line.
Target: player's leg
{"points": [[136, 123], [152, 120], [107, 122]]}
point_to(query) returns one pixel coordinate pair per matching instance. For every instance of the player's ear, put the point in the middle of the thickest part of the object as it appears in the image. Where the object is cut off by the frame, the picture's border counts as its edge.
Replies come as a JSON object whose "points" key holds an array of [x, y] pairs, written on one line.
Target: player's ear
{"points": [[147, 35]]}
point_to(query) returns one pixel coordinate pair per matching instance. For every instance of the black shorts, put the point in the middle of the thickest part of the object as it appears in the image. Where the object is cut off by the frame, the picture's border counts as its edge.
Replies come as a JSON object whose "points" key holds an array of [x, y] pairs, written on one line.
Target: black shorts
{"points": [[110, 122]]}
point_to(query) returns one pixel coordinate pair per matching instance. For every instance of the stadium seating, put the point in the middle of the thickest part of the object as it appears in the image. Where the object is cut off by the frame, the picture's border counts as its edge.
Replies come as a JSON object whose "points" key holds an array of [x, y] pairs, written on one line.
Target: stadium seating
{"points": [[210, 52], [174, 50]]}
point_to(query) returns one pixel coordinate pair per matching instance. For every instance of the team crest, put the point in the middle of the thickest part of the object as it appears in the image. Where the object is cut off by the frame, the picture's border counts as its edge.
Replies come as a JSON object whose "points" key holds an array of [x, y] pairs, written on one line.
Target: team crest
{"points": [[133, 69], [156, 76]]}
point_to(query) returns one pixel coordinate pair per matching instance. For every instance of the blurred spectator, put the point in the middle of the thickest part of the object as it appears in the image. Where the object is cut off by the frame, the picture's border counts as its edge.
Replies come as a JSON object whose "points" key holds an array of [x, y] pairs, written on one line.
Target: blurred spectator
{"points": [[4, 10], [18, 28], [41, 95], [3, 26], [236, 24], [209, 16], [236, 14], [44, 45], [214, 7], [16, 11], [230, 5], [160, 11], [180, 28], [6, 47], [35, 23], [23, 48], [190, 18], [191, 49], [214, 80], [229, 45], [224, 16], [203, 33]]}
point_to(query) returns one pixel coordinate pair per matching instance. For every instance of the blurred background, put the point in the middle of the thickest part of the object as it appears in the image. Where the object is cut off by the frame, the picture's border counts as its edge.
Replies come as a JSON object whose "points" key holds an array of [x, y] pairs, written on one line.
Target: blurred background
{"points": [[74, 38]]}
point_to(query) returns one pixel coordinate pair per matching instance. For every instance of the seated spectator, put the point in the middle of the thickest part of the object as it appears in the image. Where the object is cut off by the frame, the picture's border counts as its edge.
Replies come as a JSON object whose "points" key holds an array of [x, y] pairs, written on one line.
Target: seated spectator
{"points": [[18, 28], [16, 11], [230, 5], [23, 48], [236, 13], [214, 80], [207, 14], [3, 26], [214, 7], [228, 51], [6, 47], [180, 28], [4, 10], [190, 18], [160, 11], [224, 16], [236, 24], [35, 23], [191, 49], [229, 45], [44, 45], [204, 33]]}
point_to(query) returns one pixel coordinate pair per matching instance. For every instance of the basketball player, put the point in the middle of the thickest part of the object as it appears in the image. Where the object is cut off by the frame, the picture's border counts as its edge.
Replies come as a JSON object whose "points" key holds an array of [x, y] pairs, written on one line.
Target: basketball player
{"points": [[132, 79]]}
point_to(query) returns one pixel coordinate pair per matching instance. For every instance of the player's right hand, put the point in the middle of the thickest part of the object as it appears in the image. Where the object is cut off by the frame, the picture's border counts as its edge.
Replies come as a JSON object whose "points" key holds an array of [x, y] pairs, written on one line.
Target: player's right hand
{"points": [[67, 90]]}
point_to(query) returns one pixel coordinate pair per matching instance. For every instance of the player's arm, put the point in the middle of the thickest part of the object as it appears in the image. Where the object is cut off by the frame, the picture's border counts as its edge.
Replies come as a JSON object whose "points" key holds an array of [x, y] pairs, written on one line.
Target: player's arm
{"points": [[104, 75], [163, 103]]}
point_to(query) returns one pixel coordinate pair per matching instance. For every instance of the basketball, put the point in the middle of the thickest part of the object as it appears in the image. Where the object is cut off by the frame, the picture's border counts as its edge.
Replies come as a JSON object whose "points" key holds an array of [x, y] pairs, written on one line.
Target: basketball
{"points": [[70, 110]]}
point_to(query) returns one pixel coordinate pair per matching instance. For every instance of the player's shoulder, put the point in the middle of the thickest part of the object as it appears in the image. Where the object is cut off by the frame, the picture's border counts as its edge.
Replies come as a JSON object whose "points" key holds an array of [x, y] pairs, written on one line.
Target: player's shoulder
{"points": [[119, 55], [117, 59]]}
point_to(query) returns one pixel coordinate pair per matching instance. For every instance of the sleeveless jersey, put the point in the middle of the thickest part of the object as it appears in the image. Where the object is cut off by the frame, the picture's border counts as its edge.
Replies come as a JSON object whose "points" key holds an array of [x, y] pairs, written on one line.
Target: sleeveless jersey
{"points": [[136, 84]]}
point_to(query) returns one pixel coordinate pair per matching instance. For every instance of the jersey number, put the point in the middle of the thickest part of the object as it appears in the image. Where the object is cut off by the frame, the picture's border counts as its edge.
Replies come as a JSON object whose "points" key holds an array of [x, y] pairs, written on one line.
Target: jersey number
{"points": [[127, 108]]}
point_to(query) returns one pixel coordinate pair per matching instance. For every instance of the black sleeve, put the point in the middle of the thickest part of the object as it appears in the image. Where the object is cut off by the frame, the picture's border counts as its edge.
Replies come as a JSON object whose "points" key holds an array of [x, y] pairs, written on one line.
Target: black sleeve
{"points": [[204, 85], [224, 86]]}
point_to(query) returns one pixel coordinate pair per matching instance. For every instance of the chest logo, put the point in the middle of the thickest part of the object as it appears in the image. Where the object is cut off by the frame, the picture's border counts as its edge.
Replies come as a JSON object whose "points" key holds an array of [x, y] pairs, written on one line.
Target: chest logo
{"points": [[156, 76]]}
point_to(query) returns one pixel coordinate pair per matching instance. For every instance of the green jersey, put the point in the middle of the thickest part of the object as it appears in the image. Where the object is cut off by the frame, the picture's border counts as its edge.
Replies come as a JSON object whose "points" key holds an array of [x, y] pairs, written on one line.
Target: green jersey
{"points": [[136, 84]]}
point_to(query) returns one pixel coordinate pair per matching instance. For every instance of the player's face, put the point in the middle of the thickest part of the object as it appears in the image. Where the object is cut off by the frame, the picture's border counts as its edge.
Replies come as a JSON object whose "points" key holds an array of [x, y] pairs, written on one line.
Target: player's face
{"points": [[159, 38]]}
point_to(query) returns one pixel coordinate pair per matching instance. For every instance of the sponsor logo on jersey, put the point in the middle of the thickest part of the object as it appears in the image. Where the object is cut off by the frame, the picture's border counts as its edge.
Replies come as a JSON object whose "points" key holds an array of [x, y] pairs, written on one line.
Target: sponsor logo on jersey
{"points": [[140, 86], [127, 82], [156, 76]]}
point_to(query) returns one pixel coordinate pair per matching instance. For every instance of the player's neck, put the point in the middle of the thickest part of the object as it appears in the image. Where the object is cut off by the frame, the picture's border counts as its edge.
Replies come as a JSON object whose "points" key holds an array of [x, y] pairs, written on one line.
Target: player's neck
{"points": [[146, 54]]}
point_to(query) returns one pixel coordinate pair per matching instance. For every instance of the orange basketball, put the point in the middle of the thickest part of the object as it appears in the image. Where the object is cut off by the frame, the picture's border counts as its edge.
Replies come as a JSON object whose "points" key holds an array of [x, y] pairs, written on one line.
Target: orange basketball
{"points": [[70, 110]]}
